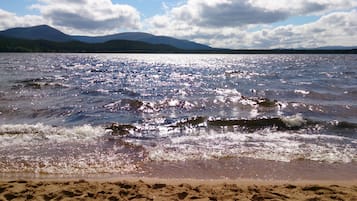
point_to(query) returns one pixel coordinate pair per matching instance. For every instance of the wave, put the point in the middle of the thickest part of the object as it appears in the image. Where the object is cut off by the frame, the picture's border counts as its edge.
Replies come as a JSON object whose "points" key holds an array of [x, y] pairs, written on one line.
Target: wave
{"points": [[264, 144], [17, 134], [280, 123], [285, 138], [122, 148], [79, 150]]}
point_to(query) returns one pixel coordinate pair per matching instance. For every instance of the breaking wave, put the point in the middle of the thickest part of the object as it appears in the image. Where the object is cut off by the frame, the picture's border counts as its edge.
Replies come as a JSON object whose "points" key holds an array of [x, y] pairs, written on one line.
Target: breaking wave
{"points": [[43, 149]]}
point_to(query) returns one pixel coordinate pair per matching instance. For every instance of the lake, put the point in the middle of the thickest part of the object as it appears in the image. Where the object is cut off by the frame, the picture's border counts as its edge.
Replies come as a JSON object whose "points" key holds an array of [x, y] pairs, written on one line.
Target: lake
{"points": [[81, 114]]}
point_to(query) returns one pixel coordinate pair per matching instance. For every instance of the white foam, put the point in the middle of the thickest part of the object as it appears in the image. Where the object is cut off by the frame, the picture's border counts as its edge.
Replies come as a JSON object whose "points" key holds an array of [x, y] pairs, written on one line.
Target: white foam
{"points": [[57, 150], [228, 92], [17, 134], [91, 162], [263, 144], [104, 91], [303, 92], [294, 121]]}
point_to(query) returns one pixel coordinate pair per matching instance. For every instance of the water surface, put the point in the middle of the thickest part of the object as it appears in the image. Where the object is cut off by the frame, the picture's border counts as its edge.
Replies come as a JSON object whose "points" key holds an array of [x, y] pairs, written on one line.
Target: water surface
{"points": [[115, 113]]}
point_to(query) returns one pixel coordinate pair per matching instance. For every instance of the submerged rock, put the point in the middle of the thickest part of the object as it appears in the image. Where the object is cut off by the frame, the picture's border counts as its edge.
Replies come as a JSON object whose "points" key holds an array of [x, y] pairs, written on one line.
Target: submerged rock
{"points": [[195, 121], [121, 129], [130, 104], [38, 83], [125, 104], [262, 102], [265, 102], [256, 124]]}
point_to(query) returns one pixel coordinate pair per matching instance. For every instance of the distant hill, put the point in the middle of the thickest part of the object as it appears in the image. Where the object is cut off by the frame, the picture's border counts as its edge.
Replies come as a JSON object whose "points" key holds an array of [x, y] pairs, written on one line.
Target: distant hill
{"points": [[47, 39], [337, 48], [44, 32], [145, 37], [25, 45], [136, 36]]}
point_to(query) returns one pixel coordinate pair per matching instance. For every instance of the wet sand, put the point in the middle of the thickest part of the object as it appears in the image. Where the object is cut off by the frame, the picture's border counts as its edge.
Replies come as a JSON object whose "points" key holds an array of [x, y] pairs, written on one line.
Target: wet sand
{"points": [[248, 168], [177, 189]]}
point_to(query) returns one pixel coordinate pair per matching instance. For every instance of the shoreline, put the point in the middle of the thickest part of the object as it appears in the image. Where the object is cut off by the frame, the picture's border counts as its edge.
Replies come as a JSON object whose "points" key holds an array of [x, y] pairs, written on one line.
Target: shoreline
{"points": [[209, 180], [215, 169], [177, 181]]}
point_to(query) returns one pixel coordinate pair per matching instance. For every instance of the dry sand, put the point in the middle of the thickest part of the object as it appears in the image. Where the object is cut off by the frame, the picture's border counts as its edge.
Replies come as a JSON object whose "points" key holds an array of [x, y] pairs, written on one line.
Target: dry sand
{"points": [[160, 189]]}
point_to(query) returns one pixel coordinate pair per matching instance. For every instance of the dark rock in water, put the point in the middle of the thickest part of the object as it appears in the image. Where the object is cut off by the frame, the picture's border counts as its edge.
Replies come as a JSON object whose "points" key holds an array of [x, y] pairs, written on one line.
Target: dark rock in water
{"points": [[264, 102], [253, 124], [234, 73], [136, 104], [37, 83], [131, 104], [30, 83], [125, 104], [346, 125], [121, 129], [191, 122], [33, 85]]}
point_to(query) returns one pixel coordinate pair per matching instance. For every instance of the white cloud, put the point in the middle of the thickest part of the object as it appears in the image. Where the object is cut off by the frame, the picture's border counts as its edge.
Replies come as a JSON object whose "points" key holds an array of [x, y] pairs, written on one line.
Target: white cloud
{"points": [[11, 20], [228, 13], [225, 23], [337, 28], [224, 13], [219, 23], [89, 16], [302, 7]]}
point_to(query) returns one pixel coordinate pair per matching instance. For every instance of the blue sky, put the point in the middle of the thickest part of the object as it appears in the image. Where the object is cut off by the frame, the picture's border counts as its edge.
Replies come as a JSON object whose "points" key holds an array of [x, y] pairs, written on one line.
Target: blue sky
{"points": [[219, 23], [147, 8]]}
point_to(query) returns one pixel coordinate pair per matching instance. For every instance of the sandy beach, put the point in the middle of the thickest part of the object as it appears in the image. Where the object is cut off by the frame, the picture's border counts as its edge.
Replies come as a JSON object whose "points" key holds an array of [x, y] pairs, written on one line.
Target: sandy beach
{"points": [[177, 189], [193, 180]]}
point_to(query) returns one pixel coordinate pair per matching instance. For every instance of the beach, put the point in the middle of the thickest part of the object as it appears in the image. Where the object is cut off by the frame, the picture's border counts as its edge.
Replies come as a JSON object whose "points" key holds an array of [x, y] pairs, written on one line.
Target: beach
{"points": [[195, 180], [177, 189]]}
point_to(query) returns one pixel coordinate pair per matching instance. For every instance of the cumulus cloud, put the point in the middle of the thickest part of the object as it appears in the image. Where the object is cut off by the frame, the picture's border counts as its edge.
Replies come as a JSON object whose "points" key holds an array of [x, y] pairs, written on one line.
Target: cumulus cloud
{"points": [[304, 7], [219, 23], [336, 28], [223, 13], [89, 16], [228, 13], [10, 20], [225, 23]]}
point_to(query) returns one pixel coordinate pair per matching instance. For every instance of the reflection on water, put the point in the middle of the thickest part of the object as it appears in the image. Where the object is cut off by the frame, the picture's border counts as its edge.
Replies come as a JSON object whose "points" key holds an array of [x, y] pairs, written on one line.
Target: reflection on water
{"points": [[116, 112]]}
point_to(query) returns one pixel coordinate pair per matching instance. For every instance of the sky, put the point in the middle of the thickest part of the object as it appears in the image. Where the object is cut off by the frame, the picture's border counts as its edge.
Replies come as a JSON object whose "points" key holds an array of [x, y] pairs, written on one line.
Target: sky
{"points": [[233, 24]]}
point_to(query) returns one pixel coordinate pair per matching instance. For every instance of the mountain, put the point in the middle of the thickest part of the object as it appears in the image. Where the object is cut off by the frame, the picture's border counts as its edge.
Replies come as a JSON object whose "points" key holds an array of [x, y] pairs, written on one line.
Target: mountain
{"points": [[182, 44], [145, 37], [136, 36], [44, 32], [25, 45]]}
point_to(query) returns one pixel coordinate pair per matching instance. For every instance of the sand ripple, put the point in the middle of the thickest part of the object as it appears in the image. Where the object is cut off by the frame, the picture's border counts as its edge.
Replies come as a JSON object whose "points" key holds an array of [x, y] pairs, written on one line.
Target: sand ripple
{"points": [[149, 190]]}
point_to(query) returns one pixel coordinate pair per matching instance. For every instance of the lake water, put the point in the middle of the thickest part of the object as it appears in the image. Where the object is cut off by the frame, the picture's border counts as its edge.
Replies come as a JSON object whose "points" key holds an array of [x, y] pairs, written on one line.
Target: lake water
{"points": [[116, 113]]}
